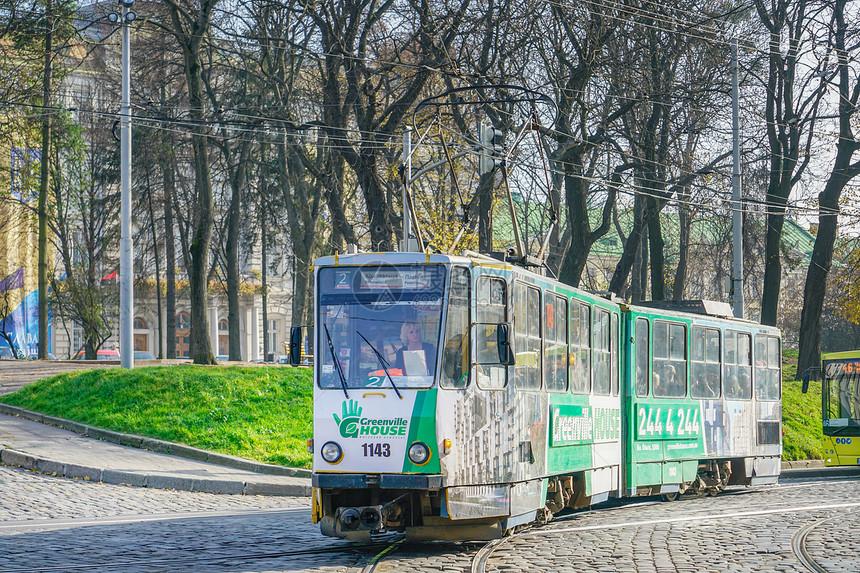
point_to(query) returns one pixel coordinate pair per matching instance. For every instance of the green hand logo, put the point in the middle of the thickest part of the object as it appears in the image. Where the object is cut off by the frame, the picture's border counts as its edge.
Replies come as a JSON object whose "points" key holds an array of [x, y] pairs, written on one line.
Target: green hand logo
{"points": [[348, 422]]}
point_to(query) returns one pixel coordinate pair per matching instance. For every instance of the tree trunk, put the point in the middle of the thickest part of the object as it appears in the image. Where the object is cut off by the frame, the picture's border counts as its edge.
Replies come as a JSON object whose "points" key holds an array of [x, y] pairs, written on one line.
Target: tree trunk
{"points": [[656, 246], [679, 284], [45, 182], [772, 260], [264, 272], [237, 182], [168, 177], [201, 345], [154, 229], [485, 212], [631, 246], [842, 173], [816, 276]]}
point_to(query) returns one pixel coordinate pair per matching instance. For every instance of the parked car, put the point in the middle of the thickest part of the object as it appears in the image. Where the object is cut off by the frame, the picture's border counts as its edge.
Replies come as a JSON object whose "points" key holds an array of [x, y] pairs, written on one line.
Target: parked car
{"points": [[35, 356], [103, 354], [143, 355]]}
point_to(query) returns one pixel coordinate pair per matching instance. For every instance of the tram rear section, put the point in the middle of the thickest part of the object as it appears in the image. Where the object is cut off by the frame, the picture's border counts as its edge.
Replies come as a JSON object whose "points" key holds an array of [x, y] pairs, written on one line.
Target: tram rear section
{"points": [[518, 397]]}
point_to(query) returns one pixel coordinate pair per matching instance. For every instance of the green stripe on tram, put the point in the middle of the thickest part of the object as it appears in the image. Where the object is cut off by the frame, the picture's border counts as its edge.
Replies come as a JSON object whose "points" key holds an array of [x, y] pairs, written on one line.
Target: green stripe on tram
{"points": [[422, 428]]}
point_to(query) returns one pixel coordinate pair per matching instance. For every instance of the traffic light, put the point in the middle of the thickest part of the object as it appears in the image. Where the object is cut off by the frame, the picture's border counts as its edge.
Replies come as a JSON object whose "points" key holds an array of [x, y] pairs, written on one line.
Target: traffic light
{"points": [[492, 149]]}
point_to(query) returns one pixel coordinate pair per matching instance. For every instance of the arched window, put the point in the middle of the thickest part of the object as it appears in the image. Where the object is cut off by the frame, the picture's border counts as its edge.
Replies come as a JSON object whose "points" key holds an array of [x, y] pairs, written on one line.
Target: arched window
{"points": [[140, 324], [223, 325]]}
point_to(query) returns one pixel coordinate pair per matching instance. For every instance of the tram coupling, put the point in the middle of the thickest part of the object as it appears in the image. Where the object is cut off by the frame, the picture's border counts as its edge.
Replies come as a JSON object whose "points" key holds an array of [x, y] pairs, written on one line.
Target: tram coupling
{"points": [[373, 518]]}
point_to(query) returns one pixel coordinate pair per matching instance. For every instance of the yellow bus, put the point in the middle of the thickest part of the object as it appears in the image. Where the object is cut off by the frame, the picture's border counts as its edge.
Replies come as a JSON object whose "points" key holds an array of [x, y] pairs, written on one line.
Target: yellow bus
{"points": [[840, 407]]}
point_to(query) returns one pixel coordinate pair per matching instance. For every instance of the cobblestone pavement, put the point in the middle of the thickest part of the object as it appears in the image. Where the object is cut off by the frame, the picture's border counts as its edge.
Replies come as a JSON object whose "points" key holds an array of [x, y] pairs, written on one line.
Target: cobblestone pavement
{"points": [[712, 534], [60, 524]]}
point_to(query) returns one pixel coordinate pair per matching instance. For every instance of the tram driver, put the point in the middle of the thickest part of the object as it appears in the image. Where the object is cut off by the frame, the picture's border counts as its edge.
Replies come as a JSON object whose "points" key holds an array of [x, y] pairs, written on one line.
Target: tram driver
{"points": [[416, 357]]}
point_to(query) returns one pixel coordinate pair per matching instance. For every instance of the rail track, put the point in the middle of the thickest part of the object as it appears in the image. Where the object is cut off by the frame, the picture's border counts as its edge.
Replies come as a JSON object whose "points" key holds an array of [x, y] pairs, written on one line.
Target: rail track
{"points": [[193, 562], [481, 558], [798, 545]]}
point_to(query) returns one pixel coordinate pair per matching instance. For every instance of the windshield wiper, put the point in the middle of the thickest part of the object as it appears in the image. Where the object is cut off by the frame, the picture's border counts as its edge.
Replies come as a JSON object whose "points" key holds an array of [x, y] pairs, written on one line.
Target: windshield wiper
{"points": [[336, 363], [383, 362]]}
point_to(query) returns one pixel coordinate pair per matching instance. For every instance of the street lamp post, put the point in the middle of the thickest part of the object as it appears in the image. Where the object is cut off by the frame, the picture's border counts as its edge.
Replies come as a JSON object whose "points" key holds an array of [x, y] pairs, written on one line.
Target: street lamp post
{"points": [[126, 272]]}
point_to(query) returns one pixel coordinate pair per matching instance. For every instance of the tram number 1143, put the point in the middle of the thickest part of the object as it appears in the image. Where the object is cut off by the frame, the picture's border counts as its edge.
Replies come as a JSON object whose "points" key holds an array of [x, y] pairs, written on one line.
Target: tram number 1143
{"points": [[667, 422], [376, 450]]}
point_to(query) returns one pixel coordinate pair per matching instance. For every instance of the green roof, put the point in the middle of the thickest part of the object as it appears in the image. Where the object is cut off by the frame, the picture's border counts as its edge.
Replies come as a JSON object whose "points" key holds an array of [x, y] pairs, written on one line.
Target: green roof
{"points": [[533, 220]]}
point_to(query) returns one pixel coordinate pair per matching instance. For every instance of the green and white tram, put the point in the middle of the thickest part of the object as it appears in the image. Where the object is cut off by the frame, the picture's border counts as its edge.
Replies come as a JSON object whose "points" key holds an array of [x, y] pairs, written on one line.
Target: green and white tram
{"points": [[457, 397]]}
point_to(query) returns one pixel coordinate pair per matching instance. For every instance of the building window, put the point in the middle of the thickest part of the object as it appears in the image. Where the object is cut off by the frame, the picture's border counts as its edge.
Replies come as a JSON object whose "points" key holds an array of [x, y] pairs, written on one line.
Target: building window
{"points": [[274, 329], [183, 328], [77, 338], [223, 325], [141, 339]]}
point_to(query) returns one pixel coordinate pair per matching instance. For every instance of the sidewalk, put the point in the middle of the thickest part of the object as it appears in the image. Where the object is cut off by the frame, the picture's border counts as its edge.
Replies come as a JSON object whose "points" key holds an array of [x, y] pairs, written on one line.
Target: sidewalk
{"points": [[98, 455]]}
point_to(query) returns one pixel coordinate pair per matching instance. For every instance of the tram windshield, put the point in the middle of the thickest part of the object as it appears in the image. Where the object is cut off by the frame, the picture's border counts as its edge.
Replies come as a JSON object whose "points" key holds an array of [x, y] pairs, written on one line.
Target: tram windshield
{"points": [[379, 322], [841, 391]]}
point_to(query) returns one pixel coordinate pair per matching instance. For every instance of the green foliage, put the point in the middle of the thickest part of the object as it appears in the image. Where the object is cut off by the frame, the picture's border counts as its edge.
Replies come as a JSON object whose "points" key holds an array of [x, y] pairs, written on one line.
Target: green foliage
{"points": [[262, 413], [801, 414]]}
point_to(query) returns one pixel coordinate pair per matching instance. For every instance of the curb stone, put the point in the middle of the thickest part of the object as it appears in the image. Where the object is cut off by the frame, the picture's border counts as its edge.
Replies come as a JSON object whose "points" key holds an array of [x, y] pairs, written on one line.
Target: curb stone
{"points": [[155, 445], [15, 458]]}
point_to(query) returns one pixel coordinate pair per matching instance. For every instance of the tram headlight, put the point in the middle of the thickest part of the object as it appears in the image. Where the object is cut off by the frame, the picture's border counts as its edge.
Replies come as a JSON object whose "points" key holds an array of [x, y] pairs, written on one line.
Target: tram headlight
{"points": [[419, 453], [331, 452]]}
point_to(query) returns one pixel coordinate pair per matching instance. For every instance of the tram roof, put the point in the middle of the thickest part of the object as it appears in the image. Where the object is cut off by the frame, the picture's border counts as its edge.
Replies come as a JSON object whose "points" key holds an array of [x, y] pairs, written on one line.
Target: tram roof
{"points": [[389, 258]]}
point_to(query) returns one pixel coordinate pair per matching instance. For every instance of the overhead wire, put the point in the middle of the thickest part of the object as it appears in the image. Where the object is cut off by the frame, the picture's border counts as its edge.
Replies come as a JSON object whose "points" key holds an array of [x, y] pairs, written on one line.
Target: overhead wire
{"points": [[157, 123], [189, 123]]}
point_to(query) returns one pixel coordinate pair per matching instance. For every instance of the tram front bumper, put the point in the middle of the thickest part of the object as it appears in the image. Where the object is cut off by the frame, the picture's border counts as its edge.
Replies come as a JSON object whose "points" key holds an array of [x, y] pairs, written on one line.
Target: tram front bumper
{"points": [[381, 481]]}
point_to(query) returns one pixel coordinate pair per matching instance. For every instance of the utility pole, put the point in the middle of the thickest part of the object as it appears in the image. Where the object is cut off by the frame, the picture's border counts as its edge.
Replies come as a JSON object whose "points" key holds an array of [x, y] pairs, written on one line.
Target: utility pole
{"points": [[407, 179], [737, 230], [44, 186], [126, 270]]}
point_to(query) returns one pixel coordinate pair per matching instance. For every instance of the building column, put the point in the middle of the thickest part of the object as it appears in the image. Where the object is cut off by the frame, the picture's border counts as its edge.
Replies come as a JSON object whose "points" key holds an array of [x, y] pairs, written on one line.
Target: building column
{"points": [[213, 326], [246, 335], [254, 353]]}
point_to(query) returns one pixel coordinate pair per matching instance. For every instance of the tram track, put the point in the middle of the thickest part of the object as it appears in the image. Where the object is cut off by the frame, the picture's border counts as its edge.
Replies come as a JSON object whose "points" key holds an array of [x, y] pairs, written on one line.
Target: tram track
{"points": [[798, 545], [481, 558], [189, 562]]}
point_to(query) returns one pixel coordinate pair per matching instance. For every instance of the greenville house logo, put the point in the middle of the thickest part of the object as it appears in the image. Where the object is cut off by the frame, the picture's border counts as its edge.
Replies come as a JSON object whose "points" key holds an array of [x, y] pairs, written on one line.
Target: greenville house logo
{"points": [[352, 425]]}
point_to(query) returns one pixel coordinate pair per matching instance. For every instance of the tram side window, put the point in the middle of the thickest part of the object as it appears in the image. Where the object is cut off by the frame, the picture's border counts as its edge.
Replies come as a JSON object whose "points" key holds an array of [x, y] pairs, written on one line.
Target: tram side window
{"points": [[455, 356], [555, 340], [492, 296], [767, 367], [642, 352], [670, 360], [738, 364], [602, 379], [613, 361], [527, 337], [705, 363], [580, 348]]}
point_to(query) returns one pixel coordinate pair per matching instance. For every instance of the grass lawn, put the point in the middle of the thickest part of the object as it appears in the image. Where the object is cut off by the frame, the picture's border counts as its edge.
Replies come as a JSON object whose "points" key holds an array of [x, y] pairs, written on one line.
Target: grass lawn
{"points": [[801, 414], [266, 413], [261, 413]]}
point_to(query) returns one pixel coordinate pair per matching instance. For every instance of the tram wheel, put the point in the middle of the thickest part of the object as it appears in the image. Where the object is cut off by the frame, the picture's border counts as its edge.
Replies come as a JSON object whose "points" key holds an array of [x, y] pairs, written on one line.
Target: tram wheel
{"points": [[669, 496]]}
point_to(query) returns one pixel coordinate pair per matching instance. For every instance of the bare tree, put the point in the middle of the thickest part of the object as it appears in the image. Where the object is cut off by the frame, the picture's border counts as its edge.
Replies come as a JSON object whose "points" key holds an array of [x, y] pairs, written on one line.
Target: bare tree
{"points": [[190, 25], [844, 169]]}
